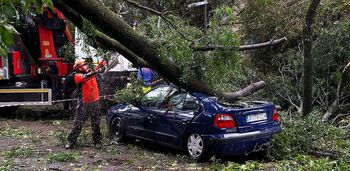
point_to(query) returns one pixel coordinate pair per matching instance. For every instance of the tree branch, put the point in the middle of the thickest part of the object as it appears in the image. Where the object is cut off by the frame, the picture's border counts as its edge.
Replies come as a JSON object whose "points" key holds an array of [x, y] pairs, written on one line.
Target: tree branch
{"points": [[235, 96], [241, 48], [162, 16], [144, 7], [335, 105], [329, 154]]}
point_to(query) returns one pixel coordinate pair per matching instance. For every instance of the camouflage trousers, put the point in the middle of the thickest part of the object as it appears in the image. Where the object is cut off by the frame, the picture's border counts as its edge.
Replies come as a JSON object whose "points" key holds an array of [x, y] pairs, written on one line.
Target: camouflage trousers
{"points": [[84, 110]]}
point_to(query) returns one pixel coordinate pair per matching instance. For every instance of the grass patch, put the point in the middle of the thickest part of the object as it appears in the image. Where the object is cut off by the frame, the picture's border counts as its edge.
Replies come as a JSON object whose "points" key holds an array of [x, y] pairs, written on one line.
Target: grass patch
{"points": [[6, 165], [84, 137], [111, 149], [36, 139], [61, 136], [14, 132], [62, 157], [19, 152], [300, 162]]}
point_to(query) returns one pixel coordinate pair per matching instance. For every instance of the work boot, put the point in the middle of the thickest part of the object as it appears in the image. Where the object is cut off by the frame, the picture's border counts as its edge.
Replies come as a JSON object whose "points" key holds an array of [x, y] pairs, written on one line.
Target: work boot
{"points": [[69, 145], [98, 146]]}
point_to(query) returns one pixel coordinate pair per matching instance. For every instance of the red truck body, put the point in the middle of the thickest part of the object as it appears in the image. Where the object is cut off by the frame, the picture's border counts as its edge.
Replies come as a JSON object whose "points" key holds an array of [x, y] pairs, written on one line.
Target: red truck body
{"points": [[34, 71]]}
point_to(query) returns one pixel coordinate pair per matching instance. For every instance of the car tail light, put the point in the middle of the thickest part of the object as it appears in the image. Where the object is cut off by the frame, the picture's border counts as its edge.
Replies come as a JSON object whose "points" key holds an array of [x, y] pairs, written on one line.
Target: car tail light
{"points": [[224, 121], [275, 115]]}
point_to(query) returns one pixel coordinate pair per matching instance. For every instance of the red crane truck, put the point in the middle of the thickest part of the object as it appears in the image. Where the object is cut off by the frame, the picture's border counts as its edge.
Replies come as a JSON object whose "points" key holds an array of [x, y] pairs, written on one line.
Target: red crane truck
{"points": [[34, 71]]}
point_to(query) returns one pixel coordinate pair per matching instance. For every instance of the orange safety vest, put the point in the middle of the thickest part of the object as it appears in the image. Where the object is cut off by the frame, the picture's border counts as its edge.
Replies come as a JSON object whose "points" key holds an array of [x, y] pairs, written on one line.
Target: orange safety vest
{"points": [[89, 88]]}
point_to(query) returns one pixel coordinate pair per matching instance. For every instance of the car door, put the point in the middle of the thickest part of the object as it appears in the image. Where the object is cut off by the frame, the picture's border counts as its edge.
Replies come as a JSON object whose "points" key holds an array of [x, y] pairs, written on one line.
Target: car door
{"points": [[170, 126], [141, 118], [138, 123]]}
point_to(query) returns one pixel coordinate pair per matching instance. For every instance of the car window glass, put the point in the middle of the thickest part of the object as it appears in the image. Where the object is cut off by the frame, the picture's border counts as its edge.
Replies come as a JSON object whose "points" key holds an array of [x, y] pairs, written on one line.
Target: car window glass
{"points": [[190, 103], [177, 101], [155, 97]]}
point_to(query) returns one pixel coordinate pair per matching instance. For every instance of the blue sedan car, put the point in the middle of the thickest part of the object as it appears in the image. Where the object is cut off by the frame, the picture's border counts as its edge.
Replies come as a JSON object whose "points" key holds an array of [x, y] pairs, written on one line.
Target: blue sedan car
{"points": [[196, 123]]}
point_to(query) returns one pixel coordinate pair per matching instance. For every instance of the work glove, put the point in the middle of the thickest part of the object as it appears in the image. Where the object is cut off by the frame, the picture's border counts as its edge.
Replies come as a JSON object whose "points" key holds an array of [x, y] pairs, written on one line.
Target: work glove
{"points": [[102, 66]]}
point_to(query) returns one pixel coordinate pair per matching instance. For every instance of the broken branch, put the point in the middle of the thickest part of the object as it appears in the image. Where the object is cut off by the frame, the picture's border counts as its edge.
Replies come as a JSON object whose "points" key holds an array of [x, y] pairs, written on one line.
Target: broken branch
{"points": [[241, 48], [161, 15], [235, 96]]}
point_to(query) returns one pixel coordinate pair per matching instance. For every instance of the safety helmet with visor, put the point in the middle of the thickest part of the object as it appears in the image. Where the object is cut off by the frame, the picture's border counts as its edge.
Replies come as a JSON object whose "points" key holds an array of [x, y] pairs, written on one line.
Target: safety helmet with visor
{"points": [[79, 63]]}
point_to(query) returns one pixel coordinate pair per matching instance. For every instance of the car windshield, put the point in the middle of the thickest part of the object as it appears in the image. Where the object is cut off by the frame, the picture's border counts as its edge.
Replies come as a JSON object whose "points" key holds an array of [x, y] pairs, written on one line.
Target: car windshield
{"points": [[156, 97]]}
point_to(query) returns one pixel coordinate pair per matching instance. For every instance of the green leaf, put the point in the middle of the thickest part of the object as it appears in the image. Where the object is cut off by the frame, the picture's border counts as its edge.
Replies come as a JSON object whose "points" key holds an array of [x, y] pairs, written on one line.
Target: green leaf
{"points": [[10, 29]]}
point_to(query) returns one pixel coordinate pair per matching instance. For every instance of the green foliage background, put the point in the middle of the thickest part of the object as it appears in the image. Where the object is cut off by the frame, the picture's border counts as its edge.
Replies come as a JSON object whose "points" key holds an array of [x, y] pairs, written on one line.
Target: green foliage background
{"points": [[267, 19], [10, 11], [208, 66]]}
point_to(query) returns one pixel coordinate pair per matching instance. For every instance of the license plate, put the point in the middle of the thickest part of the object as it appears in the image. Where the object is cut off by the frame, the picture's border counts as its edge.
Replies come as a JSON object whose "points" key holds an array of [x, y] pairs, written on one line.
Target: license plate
{"points": [[256, 117]]}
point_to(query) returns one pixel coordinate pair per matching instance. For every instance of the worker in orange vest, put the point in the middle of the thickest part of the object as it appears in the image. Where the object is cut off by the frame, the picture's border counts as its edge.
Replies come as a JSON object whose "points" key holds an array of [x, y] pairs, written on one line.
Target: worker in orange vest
{"points": [[88, 103]]}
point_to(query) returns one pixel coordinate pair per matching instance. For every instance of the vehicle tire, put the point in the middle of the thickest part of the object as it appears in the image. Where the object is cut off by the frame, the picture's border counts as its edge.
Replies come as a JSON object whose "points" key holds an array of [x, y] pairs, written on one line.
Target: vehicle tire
{"points": [[117, 130], [196, 148]]}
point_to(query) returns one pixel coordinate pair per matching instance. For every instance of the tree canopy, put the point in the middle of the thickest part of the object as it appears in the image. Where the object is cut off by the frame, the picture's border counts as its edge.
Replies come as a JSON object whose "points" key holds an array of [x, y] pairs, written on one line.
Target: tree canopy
{"points": [[168, 35]]}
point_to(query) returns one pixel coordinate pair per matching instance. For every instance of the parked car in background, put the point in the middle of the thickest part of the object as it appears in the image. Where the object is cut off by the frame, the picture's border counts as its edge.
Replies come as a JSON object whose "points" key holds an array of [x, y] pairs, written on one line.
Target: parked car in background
{"points": [[196, 123]]}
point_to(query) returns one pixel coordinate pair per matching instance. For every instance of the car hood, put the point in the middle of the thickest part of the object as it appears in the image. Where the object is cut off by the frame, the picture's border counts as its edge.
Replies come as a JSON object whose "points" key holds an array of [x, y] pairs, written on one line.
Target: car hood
{"points": [[117, 108]]}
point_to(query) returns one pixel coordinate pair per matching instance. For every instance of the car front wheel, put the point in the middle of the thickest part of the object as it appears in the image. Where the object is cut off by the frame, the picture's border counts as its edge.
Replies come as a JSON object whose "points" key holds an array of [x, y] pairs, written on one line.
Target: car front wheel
{"points": [[118, 130], [196, 148]]}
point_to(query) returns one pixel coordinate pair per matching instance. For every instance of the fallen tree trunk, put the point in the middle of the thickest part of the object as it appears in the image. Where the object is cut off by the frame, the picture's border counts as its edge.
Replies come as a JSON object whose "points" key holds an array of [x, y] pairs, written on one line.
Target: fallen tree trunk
{"points": [[107, 42], [113, 26]]}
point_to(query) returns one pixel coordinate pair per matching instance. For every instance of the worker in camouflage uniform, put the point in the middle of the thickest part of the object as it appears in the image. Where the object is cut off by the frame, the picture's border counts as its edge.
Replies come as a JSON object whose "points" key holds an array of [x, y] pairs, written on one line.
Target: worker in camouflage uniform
{"points": [[88, 104]]}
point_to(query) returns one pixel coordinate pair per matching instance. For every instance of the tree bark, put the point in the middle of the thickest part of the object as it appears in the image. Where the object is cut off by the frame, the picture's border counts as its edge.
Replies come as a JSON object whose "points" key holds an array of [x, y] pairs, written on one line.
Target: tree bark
{"points": [[308, 58], [113, 26], [99, 37]]}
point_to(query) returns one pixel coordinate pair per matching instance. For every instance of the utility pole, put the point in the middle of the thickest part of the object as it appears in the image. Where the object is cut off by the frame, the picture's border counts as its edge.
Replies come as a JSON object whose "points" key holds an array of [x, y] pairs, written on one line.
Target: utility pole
{"points": [[201, 3]]}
